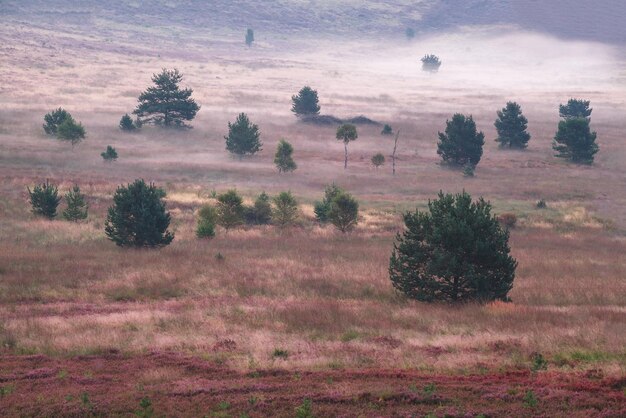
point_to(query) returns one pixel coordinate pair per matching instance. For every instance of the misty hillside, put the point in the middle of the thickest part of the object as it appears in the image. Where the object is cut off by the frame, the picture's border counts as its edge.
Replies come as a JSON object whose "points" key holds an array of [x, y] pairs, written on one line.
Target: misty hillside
{"points": [[600, 20]]}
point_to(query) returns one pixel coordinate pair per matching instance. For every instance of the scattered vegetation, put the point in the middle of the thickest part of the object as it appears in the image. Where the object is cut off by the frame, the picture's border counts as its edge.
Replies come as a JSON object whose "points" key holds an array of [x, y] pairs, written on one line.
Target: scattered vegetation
{"points": [[461, 144], [76, 206], [44, 199], [283, 158], [243, 137], [166, 104], [455, 252], [346, 133], [109, 155], [511, 126], [138, 217]]}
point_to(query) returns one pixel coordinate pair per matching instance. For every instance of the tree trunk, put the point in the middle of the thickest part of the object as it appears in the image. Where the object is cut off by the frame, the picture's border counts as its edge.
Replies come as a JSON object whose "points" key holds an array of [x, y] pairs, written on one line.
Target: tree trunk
{"points": [[345, 162], [393, 156]]}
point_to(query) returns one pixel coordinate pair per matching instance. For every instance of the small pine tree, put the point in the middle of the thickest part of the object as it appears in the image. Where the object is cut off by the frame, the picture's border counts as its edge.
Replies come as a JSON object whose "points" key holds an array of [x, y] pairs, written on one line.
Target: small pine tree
{"points": [[138, 217], [456, 251], [344, 212], [207, 218], [243, 137], [283, 160], [431, 63], [387, 130], [76, 206], [262, 209], [346, 133], [409, 33], [54, 119], [306, 102], [378, 160], [127, 124], [575, 142], [110, 154], [230, 210], [166, 103], [461, 143], [575, 108], [511, 126], [249, 37], [44, 199], [322, 209], [285, 210], [71, 131]]}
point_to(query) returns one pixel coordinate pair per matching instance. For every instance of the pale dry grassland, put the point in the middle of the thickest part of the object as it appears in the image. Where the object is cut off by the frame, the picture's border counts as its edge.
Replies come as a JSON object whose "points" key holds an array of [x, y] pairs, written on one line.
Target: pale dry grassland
{"points": [[324, 298]]}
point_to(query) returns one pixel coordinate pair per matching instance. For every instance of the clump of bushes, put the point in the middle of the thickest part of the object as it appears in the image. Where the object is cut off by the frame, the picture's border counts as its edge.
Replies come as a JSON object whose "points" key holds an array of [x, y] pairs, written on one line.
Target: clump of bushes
{"points": [[61, 124], [109, 155], [431, 63], [261, 212]]}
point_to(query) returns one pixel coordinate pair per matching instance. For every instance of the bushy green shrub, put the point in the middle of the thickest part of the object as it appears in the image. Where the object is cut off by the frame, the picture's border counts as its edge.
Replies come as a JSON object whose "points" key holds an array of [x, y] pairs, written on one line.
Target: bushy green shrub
{"points": [[44, 199], [76, 206]]}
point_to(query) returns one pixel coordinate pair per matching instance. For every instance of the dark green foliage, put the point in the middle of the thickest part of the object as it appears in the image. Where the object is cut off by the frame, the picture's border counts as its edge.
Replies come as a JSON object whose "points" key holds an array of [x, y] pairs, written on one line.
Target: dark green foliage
{"points": [[575, 108], [280, 353], [261, 212], [409, 33], [322, 208], [76, 205], [541, 204], [243, 137], [285, 210], [378, 160], [71, 131], [575, 142], [344, 212], [431, 62], [346, 133], [468, 170], [230, 209], [538, 362], [127, 124], [511, 126], [207, 218], [138, 217], [306, 102], [530, 399], [455, 252], [283, 160], [54, 119], [110, 154], [387, 130], [249, 37], [461, 144], [166, 103], [44, 199], [305, 410]]}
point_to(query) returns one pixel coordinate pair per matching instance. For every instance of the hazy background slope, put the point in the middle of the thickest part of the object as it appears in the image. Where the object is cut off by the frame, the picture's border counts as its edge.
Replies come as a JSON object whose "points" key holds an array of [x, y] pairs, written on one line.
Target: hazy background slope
{"points": [[600, 20]]}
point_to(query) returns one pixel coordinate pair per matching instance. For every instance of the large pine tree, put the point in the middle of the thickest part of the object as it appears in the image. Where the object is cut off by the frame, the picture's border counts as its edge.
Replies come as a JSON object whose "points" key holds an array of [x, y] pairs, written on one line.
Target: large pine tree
{"points": [[166, 103], [511, 126]]}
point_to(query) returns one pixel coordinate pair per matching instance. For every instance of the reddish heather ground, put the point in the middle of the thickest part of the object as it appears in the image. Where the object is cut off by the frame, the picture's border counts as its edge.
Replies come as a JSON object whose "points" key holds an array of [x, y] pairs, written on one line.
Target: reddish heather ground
{"points": [[176, 385]]}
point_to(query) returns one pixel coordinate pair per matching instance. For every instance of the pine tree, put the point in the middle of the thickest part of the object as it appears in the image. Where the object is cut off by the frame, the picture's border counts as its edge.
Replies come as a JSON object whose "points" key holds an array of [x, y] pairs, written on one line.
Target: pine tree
{"points": [[306, 102], [76, 206], [575, 108], [110, 154], [207, 218], [455, 252], [461, 144], [127, 124], [262, 209], [431, 63], [54, 119], [344, 212], [44, 199], [322, 209], [166, 103], [243, 137], [346, 133], [387, 130], [283, 160], [511, 126], [71, 131], [378, 160], [249, 37], [575, 142], [285, 210], [230, 210], [138, 217]]}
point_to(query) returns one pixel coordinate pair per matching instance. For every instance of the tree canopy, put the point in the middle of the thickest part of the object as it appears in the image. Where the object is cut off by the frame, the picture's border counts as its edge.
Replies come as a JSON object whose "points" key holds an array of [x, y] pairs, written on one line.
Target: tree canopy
{"points": [[165, 103], [346, 133], [455, 252]]}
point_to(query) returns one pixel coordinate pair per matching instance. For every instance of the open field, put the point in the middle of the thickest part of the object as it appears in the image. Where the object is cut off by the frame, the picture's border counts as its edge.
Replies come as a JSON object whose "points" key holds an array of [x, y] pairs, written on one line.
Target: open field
{"points": [[305, 312]]}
